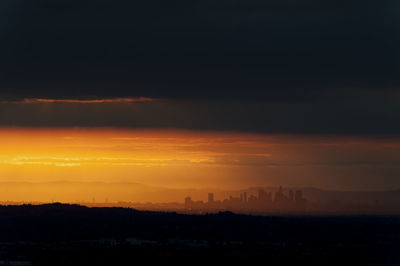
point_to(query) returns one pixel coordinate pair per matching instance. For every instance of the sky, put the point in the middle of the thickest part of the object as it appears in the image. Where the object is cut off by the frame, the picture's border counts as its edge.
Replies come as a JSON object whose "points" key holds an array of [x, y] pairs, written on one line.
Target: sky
{"points": [[299, 93]]}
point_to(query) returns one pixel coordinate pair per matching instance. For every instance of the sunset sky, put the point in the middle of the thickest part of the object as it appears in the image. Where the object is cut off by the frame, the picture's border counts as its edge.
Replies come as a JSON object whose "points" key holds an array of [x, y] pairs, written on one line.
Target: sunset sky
{"points": [[199, 94]]}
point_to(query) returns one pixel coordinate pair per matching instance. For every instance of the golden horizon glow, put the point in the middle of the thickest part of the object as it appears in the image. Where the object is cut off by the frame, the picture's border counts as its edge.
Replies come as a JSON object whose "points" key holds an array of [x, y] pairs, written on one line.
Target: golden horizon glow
{"points": [[110, 147], [177, 159]]}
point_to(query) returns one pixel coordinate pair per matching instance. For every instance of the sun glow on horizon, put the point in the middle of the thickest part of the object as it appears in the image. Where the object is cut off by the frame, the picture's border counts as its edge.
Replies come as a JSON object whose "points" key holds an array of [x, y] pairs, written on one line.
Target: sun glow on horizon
{"points": [[179, 159], [89, 150]]}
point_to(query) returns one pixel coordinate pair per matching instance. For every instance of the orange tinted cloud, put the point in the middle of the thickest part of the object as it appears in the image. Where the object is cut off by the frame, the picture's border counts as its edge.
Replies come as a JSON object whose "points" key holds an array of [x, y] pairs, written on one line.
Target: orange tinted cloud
{"points": [[110, 100]]}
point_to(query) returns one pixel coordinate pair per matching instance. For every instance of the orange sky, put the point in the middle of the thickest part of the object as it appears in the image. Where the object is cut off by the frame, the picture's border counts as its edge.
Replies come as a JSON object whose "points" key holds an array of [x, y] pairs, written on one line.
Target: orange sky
{"points": [[185, 159]]}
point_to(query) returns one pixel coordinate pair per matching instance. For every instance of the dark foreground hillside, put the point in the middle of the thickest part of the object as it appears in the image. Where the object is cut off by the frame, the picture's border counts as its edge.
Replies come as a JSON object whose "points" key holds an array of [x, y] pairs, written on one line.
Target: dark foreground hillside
{"points": [[74, 235]]}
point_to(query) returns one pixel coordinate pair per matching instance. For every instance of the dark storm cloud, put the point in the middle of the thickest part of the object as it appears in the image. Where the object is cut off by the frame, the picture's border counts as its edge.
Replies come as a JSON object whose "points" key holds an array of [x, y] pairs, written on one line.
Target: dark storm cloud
{"points": [[305, 66], [274, 49], [375, 116]]}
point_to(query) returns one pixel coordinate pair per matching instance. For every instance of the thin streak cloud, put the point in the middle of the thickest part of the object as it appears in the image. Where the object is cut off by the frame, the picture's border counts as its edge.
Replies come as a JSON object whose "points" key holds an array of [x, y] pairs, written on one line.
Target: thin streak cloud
{"points": [[87, 101]]}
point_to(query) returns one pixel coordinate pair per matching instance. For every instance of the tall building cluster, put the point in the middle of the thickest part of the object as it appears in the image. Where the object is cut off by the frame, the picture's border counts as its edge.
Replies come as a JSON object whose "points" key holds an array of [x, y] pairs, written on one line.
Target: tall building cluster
{"points": [[277, 201]]}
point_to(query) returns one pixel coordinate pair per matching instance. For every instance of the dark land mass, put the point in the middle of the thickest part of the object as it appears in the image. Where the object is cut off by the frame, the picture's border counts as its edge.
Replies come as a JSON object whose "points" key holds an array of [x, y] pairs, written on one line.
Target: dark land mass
{"points": [[59, 234]]}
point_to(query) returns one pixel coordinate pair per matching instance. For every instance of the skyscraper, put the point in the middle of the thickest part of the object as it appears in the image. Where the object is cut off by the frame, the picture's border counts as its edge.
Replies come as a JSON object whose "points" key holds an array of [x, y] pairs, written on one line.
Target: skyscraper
{"points": [[210, 197], [261, 194], [188, 203], [299, 196]]}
